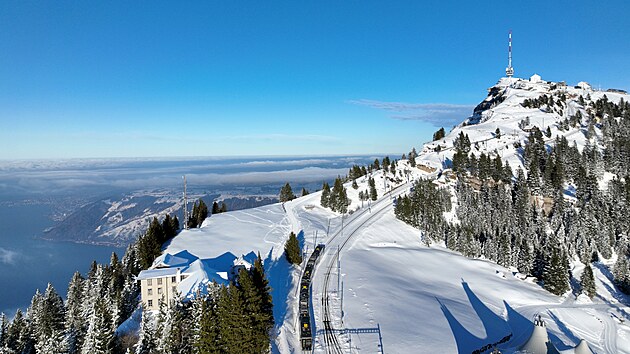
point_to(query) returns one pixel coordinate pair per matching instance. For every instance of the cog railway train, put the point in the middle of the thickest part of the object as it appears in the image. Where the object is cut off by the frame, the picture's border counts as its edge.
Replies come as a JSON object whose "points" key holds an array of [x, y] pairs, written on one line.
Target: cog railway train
{"points": [[306, 332]]}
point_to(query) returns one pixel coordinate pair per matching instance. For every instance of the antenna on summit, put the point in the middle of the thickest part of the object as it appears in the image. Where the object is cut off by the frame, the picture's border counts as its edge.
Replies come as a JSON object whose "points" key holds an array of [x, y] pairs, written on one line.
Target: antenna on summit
{"points": [[509, 71]]}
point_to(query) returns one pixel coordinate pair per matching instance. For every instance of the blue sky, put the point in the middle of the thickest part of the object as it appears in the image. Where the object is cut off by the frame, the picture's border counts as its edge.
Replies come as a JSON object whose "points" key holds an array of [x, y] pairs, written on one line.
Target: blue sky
{"points": [[217, 78]]}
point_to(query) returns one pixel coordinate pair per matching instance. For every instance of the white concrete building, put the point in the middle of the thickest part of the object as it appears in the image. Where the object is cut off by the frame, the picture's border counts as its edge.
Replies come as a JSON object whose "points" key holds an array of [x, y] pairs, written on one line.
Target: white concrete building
{"points": [[160, 285], [181, 275]]}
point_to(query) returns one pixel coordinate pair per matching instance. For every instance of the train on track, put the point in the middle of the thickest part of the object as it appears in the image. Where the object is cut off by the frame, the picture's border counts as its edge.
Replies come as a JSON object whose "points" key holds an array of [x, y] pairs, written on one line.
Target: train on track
{"points": [[306, 332]]}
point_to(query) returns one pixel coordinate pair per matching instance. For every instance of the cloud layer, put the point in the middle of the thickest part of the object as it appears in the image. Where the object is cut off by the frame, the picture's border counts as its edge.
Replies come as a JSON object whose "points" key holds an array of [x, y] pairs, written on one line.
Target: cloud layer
{"points": [[8, 256], [437, 114]]}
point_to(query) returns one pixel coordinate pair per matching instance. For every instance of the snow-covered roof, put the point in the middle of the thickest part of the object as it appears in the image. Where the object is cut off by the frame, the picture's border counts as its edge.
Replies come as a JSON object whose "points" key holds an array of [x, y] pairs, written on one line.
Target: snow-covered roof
{"points": [[240, 261], [584, 85], [161, 272], [535, 78], [180, 259]]}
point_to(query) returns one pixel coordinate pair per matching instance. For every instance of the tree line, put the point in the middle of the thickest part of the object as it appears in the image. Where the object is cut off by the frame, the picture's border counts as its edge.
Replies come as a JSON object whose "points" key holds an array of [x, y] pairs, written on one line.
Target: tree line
{"points": [[524, 220]]}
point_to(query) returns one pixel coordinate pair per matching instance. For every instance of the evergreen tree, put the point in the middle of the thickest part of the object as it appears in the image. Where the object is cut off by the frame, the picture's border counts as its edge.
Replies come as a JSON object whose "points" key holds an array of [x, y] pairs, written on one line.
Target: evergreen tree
{"points": [[235, 334], [52, 314], [265, 315], [325, 199], [286, 193], [223, 207], [292, 250], [376, 165], [305, 192], [215, 208], [555, 275], [75, 327], [208, 341], [99, 338], [338, 199], [440, 134], [178, 336], [19, 335], [174, 225], [354, 184], [587, 282], [373, 193], [4, 329], [147, 341], [202, 212]]}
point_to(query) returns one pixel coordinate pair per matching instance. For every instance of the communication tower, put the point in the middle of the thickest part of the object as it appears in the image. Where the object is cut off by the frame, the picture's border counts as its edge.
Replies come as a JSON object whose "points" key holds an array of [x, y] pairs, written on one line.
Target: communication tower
{"points": [[509, 71], [185, 206]]}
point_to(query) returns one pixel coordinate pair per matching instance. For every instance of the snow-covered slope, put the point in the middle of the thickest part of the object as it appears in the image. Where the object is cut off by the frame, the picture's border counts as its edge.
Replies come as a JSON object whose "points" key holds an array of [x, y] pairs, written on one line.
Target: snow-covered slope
{"points": [[424, 299], [503, 110]]}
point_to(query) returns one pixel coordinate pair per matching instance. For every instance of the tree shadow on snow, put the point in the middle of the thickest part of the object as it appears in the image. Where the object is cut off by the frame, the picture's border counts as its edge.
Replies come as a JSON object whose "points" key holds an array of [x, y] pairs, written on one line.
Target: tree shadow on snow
{"points": [[495, 326], [279, 275], [512, 331], [614, 291]]}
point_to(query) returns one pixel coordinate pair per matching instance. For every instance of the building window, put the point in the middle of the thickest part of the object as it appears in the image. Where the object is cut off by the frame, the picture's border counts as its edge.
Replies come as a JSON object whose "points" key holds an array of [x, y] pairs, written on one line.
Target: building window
{"points": [[149, 291], [149, 282], [159, 291], [150, 303], [173, 279], [182, 277], [159, 281]]}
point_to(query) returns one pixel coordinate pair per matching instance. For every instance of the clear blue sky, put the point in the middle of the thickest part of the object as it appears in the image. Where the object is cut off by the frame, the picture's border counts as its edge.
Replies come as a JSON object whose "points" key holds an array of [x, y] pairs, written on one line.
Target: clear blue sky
{"points": [[152, 78]]}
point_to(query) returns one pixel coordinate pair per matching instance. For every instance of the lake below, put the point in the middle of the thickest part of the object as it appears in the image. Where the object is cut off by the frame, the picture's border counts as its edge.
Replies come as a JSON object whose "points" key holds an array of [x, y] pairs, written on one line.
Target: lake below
{"points": [[28, 263]]}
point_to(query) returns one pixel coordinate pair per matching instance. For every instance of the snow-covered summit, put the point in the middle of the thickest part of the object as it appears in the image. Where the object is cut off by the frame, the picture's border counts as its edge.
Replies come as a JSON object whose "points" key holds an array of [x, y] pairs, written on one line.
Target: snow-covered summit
{"points": [[505, 118]]}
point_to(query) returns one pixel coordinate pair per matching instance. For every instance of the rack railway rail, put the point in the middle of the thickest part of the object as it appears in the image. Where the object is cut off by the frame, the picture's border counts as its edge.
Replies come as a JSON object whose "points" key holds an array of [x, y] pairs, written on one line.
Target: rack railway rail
{"points": [[330, 333]]}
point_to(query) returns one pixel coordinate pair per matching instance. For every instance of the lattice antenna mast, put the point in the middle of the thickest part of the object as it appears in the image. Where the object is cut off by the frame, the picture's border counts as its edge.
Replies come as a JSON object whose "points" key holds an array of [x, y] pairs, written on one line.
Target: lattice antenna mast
{"points": [[185, 206], [509, 71]]}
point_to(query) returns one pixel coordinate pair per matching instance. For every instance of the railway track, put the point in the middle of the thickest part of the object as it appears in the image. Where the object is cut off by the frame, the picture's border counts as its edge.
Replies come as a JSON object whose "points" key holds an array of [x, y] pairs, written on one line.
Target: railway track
{"points": [[331, 342]]}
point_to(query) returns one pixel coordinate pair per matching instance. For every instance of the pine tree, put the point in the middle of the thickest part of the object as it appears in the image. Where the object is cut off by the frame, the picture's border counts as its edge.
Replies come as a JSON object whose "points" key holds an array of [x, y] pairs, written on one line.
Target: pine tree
{"points": [[234, 332], [75, 327], [207, 342], [304, 192], [215, 208], [202, 212], [354, 184], [292, 250], [439, 134], [265, 316], [373, 193], [19, 335], [178, 336], [555, 275], [286, 193], [325, 199], [587, 282], [99, 338], [147, 341], [4, 329], [338, 199]]}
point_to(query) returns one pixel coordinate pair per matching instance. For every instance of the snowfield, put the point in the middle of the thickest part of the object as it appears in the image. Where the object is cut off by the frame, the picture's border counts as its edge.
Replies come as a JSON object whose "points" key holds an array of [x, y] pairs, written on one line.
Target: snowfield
{"points": [[424, 299]]}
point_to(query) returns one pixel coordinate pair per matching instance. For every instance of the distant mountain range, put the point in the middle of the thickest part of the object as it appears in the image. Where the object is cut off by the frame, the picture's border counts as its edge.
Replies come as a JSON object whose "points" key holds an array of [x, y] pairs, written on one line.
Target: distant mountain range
{"points": [[119, 219]]}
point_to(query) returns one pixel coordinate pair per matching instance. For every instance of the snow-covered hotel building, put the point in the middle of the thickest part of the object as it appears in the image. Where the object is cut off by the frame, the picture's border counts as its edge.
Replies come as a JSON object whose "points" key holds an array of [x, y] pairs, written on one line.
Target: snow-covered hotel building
{"points": [[181, 275]]}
